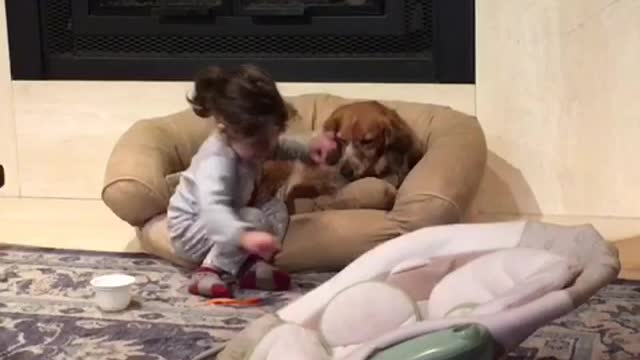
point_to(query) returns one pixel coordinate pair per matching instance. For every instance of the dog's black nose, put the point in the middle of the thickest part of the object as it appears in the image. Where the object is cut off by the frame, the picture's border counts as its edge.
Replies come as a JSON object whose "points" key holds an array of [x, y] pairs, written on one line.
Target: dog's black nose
{"points": [[346, 171]]}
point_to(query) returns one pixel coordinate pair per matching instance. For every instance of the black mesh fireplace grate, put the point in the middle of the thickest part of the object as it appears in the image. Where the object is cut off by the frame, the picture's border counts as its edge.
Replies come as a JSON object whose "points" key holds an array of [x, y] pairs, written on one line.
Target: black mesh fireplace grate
{"points": [[141, 39], [418, 40], [240, 7]]}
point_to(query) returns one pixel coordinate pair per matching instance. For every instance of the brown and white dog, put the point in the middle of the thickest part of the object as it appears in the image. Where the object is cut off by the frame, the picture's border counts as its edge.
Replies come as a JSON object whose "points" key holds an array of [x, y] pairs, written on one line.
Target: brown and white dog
{"points": [[372, 141]]}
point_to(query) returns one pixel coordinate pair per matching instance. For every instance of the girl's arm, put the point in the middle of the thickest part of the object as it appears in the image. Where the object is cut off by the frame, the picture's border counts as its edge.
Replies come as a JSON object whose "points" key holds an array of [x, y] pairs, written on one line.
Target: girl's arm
{"points": [[294, 147], [214, 180]]}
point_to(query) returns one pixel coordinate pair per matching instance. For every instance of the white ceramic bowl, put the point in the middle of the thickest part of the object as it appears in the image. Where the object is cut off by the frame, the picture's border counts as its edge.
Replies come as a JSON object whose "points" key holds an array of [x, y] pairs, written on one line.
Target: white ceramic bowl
{"points": [[113, 292]]}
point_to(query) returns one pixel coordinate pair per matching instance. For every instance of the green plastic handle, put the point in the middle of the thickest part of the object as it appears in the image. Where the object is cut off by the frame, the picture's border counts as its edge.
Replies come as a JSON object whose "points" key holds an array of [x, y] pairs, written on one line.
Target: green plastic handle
{"points": [[462, 342]]}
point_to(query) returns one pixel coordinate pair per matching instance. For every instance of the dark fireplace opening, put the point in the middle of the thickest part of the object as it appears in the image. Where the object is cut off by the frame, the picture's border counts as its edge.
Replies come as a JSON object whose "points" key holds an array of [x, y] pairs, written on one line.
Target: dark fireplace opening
{"points": [[428, 41]]}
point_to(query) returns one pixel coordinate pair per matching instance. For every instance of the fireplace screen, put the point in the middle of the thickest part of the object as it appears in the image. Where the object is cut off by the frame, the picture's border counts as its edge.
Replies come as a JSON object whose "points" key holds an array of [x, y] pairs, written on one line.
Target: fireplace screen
{"points": [[296, 40], [242, 7]]}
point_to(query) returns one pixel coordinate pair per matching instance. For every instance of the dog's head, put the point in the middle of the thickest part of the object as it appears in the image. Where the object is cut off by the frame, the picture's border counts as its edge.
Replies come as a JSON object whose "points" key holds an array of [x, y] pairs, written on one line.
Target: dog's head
{"points": [[372, 139]]}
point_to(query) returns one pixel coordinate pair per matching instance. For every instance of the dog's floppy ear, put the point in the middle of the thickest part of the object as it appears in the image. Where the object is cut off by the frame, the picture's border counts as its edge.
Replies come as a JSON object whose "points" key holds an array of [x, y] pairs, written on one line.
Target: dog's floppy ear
{"points": [[398, 135], [333, 123], [400, 138]]}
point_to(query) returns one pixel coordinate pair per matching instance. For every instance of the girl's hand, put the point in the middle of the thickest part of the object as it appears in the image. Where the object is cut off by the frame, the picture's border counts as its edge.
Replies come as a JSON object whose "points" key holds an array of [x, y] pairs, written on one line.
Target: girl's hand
{"points": [[259, 243], [323, 147]]}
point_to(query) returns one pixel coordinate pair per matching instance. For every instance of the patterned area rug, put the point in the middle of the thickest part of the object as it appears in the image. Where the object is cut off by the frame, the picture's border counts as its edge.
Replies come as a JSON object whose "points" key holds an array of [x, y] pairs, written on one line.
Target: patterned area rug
{"points": [[46, 312]]}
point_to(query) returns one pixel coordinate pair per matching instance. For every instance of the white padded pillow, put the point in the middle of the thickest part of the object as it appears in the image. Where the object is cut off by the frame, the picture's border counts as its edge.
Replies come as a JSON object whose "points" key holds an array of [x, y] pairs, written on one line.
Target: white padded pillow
{"points": [[365, 311], [499, 280]]}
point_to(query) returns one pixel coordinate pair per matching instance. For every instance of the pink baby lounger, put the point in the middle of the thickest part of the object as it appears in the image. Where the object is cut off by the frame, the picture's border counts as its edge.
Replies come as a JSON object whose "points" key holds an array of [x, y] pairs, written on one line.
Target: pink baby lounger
{"points": [[507, 279]]}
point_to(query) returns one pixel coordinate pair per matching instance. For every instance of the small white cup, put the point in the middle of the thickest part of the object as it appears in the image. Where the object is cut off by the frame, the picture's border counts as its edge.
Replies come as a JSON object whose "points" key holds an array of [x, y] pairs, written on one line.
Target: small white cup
{"points": [[113, 292]]}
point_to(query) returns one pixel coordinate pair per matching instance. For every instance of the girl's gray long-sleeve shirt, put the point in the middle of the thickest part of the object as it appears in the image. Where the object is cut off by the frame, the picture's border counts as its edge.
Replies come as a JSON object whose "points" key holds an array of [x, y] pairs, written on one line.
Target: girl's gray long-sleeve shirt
{"points": [[218, 182]]}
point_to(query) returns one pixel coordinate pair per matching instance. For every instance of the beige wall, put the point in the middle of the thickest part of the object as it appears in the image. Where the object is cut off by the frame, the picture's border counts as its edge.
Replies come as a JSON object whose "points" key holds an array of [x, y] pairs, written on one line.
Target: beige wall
{"points": [[555, 94], [66, 130], [7, 129]]}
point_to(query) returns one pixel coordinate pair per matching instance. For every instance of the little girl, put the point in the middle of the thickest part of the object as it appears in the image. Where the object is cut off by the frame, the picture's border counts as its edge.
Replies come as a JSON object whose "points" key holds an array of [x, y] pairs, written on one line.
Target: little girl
{"points": [[208, 216]]}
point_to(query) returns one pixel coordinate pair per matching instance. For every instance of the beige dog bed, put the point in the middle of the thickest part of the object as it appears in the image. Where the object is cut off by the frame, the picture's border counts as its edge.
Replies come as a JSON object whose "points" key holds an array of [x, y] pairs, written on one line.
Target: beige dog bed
{"points": [[143, 166]]}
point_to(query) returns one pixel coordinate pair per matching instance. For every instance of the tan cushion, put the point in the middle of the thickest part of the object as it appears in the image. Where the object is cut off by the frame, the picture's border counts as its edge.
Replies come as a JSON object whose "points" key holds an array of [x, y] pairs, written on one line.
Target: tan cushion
{"points": [[437, 190], [367, 193]]}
